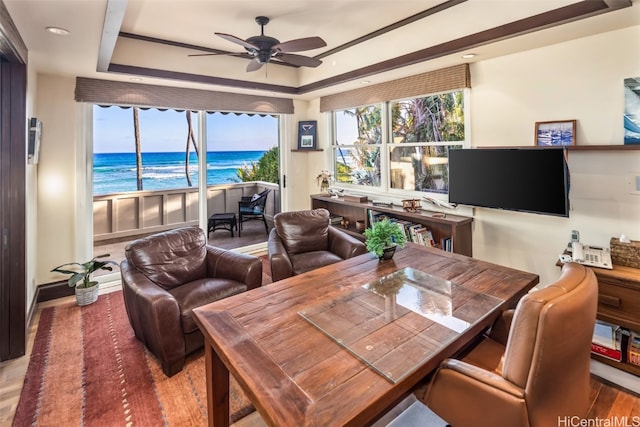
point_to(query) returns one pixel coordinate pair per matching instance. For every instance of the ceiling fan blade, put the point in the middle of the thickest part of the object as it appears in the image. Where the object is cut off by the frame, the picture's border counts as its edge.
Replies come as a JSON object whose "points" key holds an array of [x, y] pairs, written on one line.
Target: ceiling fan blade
{"points": [[299, 45], [237, 40], [214, 54], [254, 65], [299, 60]]}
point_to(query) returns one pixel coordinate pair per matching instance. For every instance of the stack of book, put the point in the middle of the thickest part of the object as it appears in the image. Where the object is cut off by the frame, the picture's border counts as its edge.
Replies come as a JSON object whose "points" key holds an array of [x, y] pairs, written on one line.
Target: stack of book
{"points": [[416, 233], [607, 340]]}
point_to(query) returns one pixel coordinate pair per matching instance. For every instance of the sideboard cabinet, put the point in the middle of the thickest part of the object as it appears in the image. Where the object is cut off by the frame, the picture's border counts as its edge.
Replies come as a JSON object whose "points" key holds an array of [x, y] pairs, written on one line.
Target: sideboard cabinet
{"points": [[442, 226], [619, 304]]}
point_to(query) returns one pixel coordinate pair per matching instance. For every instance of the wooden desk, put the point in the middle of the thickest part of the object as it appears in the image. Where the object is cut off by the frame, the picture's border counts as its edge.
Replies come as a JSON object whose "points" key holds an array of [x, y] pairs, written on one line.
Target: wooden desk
{"points": [[296, 374]]}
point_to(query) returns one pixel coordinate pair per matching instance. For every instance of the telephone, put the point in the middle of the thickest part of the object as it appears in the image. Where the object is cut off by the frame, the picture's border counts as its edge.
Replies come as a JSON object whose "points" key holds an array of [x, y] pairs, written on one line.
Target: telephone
{"points": [[593, 257]]}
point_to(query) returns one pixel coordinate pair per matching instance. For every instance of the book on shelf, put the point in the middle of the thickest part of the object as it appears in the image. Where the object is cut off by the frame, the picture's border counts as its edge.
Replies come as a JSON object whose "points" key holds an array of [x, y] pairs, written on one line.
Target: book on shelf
{"points": [[607, 340], [633, 348], [335, 219]]}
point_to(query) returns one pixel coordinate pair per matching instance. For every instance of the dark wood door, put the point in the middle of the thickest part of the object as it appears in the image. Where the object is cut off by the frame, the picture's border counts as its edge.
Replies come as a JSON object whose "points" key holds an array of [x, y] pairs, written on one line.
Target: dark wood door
{"points": [[12, 210]]}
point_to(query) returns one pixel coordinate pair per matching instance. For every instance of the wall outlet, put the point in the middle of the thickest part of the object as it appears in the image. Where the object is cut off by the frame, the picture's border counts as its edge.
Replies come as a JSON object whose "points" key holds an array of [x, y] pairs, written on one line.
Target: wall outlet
{"points": [[633, 183]]}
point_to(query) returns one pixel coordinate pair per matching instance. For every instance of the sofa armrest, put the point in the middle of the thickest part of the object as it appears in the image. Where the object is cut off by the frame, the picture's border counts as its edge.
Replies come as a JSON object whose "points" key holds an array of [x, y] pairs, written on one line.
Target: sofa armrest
{"points": [[457, 385], [153, 312], [344, 245], [226, 264], [279, 260]]}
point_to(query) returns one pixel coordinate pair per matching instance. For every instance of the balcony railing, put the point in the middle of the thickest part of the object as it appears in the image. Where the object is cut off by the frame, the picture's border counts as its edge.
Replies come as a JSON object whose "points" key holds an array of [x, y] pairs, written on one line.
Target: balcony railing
{"points": [[131, 214]]}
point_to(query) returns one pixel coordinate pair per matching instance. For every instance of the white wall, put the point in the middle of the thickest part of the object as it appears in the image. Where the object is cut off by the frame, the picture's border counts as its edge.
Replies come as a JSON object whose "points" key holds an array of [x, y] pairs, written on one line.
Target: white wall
{"points": [[57, 175], [583, 80]]}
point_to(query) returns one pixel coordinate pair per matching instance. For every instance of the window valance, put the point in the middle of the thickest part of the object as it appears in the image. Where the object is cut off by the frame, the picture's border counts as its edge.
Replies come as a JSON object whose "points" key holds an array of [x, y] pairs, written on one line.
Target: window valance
{"points": [[125, 93], [443, 80]]}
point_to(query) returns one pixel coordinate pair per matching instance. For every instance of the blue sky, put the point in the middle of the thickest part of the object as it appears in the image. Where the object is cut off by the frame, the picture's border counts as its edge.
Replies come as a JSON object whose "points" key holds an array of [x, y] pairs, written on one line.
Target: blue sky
{"points": [[162, 131]]}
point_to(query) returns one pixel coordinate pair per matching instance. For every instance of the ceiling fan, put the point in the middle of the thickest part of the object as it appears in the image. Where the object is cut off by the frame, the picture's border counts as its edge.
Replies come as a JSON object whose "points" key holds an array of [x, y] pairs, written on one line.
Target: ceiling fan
{"points": [[264, 49]]}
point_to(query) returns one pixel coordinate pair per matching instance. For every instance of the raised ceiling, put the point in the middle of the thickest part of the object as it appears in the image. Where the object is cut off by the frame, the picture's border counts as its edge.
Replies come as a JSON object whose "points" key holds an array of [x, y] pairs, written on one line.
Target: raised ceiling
{"points": [[375, 40]]}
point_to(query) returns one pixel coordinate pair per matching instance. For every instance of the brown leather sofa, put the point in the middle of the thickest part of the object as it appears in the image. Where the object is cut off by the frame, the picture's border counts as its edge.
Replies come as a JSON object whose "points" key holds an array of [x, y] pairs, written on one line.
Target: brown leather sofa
{"points": [[302, 241], [535, 377], [166, 276]]}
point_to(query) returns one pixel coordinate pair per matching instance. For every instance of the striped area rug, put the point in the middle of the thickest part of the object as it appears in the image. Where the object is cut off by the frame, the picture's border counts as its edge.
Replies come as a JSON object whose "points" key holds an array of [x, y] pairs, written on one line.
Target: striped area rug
{"points": [[88, 369]]}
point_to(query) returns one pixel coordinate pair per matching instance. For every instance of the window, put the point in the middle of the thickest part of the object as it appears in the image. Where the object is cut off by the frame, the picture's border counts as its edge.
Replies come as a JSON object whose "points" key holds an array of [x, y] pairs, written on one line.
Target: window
{"points": [[358, 145], [416, 139]]}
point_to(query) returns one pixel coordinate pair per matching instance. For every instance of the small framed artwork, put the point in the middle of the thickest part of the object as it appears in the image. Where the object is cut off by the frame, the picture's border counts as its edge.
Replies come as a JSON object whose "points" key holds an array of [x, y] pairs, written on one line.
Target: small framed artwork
{"points": [[307, 135], [556, 133]]}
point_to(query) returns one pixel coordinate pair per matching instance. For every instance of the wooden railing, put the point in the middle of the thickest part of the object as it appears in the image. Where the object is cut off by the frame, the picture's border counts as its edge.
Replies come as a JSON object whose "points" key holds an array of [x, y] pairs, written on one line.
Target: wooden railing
{"points": [[124, 215]]}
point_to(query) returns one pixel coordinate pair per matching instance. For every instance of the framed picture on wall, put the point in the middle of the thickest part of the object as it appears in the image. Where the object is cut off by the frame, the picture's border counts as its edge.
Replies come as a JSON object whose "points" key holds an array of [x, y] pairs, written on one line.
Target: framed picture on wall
{"points": [[307, 135], [556, 133]]}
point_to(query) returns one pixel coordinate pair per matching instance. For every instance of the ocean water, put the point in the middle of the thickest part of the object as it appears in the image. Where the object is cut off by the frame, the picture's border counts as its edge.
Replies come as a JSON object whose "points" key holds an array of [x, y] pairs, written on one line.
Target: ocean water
{"points": [[116, 172]]}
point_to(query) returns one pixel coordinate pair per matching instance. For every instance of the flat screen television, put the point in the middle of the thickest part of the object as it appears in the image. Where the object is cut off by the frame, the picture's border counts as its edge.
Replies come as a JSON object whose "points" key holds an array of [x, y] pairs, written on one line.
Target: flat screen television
{"points": [[532, 180]]}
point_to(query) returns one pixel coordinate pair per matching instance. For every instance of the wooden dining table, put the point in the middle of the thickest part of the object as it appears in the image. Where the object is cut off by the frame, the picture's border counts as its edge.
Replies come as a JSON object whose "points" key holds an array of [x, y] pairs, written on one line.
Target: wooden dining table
{"points": [[340, 345]]}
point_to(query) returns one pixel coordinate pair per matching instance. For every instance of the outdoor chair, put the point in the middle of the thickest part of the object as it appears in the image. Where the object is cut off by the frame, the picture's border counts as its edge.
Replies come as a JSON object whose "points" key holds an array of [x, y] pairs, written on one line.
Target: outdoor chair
{"points": [[253, 207]]}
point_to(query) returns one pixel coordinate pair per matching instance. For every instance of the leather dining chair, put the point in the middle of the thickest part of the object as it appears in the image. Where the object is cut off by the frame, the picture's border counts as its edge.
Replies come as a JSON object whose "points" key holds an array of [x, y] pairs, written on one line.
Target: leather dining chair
{"points": [[302, 241], [533, 369], [166, 275]]}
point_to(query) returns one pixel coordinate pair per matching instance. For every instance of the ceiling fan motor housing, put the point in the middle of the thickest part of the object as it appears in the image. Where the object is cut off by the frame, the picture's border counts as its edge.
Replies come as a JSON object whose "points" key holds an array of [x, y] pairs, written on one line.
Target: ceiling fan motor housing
{"points": [[264, 45]]}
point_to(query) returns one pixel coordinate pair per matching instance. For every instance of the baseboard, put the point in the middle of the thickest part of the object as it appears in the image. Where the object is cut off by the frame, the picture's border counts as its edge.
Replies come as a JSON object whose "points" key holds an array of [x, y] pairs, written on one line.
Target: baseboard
{"points": [[54, 290], [616, 377]]}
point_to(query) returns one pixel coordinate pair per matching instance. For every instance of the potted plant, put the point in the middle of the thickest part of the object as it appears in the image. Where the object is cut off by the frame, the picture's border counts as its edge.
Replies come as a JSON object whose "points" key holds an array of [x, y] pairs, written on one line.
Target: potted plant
{"points": [[383, 237], [86, 289]]}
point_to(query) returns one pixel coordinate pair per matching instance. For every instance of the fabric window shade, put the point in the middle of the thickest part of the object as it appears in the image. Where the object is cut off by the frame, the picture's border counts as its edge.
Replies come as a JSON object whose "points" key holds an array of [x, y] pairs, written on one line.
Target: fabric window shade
{"points": [[438, 81], [98, 91]]}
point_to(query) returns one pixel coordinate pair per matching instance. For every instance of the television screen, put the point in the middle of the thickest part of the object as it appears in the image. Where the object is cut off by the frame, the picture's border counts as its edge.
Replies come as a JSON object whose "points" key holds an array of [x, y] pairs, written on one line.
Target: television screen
{"points": [[529, 180]]}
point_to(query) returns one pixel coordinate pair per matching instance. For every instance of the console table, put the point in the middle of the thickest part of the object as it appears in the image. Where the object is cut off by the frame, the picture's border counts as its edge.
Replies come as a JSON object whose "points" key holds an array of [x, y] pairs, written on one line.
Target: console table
{"points": [[456, 227]]}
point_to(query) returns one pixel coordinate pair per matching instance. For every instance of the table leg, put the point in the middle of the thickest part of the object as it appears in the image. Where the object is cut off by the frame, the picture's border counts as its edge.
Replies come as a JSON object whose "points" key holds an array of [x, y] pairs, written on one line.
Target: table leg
{"points": [[217, 389]]}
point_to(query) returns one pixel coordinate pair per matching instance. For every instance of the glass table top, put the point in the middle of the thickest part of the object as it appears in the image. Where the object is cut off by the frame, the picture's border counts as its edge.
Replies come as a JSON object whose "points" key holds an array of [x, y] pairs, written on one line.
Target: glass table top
{"points": [[395, 323]]}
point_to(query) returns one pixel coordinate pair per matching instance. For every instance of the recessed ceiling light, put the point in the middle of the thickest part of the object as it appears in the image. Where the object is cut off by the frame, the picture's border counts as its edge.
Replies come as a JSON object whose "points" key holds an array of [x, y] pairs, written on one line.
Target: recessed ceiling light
{"points": [[365, 82], [58, 31], [469, 55], [135, 79]]}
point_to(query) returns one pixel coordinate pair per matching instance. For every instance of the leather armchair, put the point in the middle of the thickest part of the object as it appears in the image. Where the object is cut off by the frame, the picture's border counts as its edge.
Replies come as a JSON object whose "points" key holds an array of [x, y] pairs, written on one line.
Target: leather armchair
{"points": [[166, 275], [539, 374], [302, 241]]}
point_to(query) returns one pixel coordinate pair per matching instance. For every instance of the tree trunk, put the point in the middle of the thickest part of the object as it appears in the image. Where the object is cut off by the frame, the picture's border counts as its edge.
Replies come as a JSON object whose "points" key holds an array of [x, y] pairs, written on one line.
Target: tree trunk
{"points": [[136, 130], [190, 138]]}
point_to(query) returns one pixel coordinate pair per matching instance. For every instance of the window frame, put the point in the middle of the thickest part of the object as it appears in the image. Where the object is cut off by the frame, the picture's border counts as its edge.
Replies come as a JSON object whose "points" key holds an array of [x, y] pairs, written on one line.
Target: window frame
{"points": [[387, 145]]}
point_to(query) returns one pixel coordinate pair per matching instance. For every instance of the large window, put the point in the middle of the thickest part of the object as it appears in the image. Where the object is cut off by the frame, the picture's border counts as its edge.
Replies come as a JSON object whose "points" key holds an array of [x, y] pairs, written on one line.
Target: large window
{"points": [[415, 135], [358, 145]]}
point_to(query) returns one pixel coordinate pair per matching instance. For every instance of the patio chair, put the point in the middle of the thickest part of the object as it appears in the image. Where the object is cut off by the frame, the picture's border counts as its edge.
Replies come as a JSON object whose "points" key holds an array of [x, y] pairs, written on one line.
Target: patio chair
{"points": [[253, 207]]}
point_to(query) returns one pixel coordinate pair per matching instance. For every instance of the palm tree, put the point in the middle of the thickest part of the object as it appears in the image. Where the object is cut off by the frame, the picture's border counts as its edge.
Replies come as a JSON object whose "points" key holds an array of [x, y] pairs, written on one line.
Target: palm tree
{"points": [[190, 138], [136, 130]]}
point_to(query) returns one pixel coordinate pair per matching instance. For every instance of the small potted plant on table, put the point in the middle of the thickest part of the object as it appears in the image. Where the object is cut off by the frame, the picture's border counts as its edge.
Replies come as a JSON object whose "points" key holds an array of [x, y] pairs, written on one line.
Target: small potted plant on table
{"points": [[383, 237], [86, 289]]}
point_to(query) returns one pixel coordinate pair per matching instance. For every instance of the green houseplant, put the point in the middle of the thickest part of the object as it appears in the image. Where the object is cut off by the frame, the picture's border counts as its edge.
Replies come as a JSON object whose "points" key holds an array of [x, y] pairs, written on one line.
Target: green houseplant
{"points": [[384, 235], [86, 289]]}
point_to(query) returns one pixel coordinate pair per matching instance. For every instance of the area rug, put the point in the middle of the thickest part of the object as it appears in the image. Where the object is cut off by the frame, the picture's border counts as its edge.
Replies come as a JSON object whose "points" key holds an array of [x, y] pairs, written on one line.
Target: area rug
{"points": [[88, 369]]}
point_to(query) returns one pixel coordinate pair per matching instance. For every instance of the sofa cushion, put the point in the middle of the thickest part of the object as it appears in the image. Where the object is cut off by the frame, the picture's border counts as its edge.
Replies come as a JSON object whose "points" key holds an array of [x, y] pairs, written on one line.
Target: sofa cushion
{"points": [[171, 258], [201, 292], [303, 231]]}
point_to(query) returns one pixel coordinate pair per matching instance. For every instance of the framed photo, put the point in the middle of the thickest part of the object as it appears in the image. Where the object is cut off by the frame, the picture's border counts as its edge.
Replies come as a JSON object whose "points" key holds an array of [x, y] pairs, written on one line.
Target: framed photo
{"points": [[307, 135], [556, 133]]}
